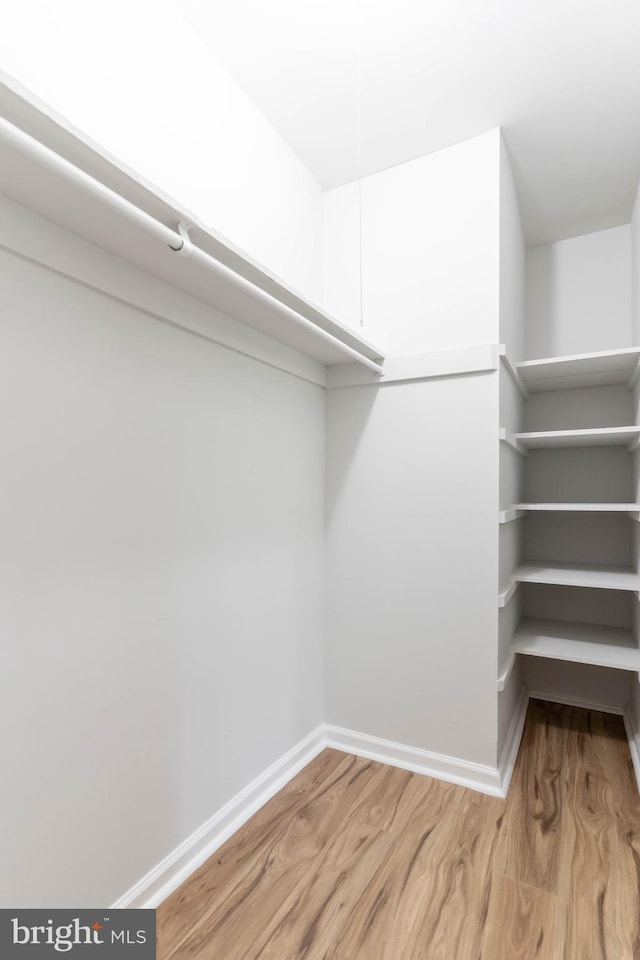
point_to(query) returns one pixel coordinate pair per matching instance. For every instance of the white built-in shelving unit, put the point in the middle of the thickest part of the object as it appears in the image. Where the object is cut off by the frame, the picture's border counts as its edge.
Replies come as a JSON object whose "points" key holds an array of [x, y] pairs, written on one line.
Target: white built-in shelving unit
{"points": [[597, 437], [580, 642], [592, 465], [578, 575], [579, 507], [607, 368]]}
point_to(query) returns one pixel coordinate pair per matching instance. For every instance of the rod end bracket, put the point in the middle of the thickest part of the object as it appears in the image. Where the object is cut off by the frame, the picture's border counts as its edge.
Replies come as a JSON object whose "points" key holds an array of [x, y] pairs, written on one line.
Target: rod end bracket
{"points": [[186, 246]]}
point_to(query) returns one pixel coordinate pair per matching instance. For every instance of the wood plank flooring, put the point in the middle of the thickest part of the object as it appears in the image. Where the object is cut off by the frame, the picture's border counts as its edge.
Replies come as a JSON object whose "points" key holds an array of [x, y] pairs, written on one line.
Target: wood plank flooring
{"points": [[354, 860]]}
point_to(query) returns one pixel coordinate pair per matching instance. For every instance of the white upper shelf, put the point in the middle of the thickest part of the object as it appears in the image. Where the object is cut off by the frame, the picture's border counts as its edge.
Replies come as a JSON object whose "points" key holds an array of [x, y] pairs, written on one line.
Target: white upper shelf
{"points": [[580, 507], [579, 370], [597, 437], [30, 178], [577, 642], [578, 575]]}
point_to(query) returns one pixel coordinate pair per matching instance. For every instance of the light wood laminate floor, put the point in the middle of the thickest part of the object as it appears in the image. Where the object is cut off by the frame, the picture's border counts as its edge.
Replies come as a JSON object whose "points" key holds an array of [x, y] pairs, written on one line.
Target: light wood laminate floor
{"points": [[354, 860]]}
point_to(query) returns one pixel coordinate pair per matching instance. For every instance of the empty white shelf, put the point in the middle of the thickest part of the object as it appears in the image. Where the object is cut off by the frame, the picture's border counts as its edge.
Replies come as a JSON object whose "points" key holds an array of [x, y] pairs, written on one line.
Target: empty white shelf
{"points": [[578, 575], [577, 642], [579, 507], [579, 370], [597, 437]]}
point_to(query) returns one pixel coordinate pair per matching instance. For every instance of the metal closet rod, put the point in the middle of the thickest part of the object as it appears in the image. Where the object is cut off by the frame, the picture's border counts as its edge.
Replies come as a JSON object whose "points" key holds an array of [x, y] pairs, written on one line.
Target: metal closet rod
{"points": [[177, 241]]}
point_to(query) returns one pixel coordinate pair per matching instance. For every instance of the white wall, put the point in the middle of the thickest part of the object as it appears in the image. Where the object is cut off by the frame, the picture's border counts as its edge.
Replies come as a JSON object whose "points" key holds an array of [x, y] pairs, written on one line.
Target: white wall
{"points": [[512, 263], [161, 570], [341, 254], [512, 295], [430, 247], [179, 119], [579, 295], [633, 720], [509, 702], [635, 272], [412, 545], [579, 683], [633, 706]]}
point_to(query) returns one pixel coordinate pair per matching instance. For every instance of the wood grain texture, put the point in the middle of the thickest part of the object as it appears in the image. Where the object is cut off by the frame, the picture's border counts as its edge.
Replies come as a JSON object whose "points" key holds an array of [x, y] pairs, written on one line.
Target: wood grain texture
{"points": [[529, 846], [354, 860], [523, 923], [425, 900], [602, 911]]}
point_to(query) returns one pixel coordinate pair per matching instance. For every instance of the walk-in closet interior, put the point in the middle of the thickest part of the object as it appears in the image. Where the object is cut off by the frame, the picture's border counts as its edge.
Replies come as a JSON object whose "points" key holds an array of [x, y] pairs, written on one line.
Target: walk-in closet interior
{"points": [[291, 457]]}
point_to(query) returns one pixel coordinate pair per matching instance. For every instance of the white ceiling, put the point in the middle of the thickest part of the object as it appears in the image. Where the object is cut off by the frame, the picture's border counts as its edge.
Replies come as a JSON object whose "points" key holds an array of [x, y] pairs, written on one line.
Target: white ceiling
{"points": [[561, 77]]}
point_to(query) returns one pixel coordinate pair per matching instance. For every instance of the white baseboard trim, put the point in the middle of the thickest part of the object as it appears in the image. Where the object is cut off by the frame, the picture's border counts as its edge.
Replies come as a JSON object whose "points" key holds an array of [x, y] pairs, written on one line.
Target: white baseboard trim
{"points": [[634, 746], [475, 776], [167, 875], [170, 873], [511, 746]]}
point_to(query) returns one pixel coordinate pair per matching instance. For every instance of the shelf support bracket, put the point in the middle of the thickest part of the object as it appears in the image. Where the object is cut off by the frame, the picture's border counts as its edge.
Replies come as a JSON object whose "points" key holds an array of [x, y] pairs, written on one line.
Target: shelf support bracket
{"points": [[505, 596], [503, 679], [506, 516], [512, 371], [508, 438]]}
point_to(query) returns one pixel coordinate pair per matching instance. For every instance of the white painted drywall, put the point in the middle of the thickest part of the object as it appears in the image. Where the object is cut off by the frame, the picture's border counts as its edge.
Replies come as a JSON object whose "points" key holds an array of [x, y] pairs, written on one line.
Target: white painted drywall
{"points": [[430, 250], [635, 271], [599, 538], [341, 253], [511, 334], [579, 475], [509, 617], [512, 263], [510, 541], [412, 545], [633, 723], [509, 702], [137, 78], [511, 403], [412, 563], [161, 570], [633, 706], [579, 683], [564, 78], [579, 295], [579, 409], [606, 607]]}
